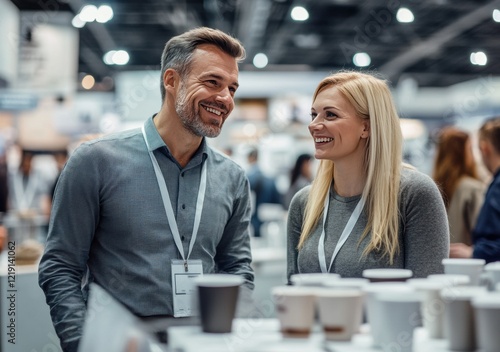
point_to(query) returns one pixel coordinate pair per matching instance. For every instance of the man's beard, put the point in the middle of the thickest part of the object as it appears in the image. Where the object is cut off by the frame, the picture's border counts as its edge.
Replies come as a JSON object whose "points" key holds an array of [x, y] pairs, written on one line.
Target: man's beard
{"points": [[191, 118]]}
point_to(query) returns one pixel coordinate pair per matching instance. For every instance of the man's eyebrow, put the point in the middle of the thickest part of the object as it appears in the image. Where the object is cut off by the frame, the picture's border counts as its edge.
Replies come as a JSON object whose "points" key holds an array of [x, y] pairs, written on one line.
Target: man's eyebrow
{"points": [[220, 78]]}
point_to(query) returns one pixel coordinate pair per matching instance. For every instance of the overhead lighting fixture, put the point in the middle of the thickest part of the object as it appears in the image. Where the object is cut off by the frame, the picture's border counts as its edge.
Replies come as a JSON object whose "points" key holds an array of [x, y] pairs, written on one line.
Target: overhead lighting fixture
{"points": [[361, 59], [88, 82], [496, 15], [116, 57], [478, 58], [299, 13], [104, 14], [404, 15], [260, 60], [77, 22], [88, 13]]}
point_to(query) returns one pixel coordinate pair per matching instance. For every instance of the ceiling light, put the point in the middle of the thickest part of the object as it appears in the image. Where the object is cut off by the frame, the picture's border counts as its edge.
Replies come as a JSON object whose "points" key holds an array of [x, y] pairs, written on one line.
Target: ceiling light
{"points": [[404, 15], [108, 57], [496, 15], [104, 14], [88, 13], [361, 59], [260, 60], [478, 58], [121, 57], [299, 13], [77, 22], [88, 82]]}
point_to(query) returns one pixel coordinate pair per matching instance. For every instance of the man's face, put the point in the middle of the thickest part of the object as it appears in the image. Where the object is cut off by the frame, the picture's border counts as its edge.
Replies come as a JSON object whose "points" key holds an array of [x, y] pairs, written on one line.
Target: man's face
{"points": [[205, 96]]}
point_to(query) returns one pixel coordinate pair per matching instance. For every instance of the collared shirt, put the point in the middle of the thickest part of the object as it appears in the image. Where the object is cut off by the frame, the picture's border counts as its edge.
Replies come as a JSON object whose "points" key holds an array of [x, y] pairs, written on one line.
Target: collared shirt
{"points": [[486, 234], [108, 216]]}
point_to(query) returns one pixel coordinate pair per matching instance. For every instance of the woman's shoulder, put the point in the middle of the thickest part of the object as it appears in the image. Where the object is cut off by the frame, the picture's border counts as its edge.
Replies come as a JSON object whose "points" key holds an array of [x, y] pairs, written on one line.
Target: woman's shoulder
{"points": [[412, 178]]}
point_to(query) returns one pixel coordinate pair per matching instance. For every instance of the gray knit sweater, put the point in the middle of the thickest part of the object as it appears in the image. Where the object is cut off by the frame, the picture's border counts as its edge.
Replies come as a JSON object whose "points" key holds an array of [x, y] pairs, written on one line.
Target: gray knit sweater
{"points": [[423, 232]]}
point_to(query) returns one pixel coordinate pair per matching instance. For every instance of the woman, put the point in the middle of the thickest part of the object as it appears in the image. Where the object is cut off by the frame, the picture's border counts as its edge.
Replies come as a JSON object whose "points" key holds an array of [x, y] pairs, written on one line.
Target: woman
{"points": [[392, 216], [456, 174], [300, 176]]}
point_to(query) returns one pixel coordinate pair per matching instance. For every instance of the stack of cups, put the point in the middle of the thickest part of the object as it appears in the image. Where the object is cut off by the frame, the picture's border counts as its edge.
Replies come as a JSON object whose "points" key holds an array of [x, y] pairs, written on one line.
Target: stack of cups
{"points": [[470, 267], [487, 315], [312, 279], [459, 320], [392, 308], [491, 275]]}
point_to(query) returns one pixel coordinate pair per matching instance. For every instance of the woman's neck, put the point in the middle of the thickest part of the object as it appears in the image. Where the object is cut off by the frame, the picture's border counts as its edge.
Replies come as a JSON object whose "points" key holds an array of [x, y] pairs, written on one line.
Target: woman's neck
{"points": [[349, 179]]}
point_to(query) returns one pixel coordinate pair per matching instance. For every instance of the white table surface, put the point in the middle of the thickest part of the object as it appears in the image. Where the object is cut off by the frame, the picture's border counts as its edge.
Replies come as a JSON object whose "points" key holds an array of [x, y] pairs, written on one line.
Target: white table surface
{"points": [[262, 335]]}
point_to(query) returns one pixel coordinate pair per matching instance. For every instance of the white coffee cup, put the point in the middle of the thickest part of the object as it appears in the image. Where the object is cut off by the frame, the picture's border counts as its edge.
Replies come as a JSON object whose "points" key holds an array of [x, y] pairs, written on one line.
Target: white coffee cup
{"points": [[312, 279], [458, 316], [399, 316], [465, 266], [432, 307], [373, 307], [340, 312], [491, 275], [387, 274], [295, 309], [487, 314], [451, 279]]}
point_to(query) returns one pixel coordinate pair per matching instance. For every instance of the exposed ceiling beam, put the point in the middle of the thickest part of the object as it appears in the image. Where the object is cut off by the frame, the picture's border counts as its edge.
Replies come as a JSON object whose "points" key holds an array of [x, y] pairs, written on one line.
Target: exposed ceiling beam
{"points": [[430, 46]]}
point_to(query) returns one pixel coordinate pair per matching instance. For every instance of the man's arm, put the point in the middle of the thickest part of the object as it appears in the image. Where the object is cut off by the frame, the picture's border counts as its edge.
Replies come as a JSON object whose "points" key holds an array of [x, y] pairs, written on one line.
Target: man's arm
{"points": [[72, 224], [233, 251], [486, 234]]}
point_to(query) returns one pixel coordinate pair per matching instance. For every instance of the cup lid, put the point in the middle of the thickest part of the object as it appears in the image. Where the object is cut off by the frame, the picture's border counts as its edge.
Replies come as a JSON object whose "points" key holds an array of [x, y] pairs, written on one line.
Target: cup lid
{"points": [[488, 300], [427, 284], [312, 278], [387, 273], [391, 296], [219, 280], [450, 279], [462, 293], [326, 292], [348, 282], [375, 287], [493, 266], [463, 261], [293, 291]]}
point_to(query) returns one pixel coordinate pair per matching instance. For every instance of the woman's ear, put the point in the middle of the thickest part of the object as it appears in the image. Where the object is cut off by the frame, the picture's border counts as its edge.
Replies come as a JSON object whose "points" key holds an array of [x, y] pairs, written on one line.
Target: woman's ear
{"points": [[366, 129]]}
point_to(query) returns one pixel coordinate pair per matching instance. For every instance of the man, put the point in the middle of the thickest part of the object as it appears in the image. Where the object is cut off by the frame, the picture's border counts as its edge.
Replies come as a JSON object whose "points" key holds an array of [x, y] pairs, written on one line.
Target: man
{"points": [[139, 211], [486, 234], [263, 188]]}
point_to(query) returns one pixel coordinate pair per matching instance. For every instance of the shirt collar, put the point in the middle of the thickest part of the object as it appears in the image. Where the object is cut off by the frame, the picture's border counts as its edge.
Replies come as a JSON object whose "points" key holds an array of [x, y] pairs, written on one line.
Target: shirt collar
{"points": [[156, 142]]}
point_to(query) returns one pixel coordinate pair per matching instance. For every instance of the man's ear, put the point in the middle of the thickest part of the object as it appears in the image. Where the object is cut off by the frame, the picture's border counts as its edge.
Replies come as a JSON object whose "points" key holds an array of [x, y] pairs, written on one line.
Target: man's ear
{"points": [[484, 147], [170, 79]]}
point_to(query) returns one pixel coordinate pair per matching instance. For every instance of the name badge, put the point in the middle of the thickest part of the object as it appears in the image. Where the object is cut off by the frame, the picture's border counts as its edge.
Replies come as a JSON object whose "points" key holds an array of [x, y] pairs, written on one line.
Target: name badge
{"points": [[183, 288]]}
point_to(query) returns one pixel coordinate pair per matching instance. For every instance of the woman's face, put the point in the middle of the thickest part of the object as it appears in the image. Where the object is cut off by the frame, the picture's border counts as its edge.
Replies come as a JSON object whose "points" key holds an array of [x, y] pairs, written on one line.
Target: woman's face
{"points": [[338, 133]]}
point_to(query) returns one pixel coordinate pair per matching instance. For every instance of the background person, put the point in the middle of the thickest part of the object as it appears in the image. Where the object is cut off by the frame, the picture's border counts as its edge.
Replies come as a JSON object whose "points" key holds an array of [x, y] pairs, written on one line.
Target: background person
{"points": [[486, 233], [455, 172], [263, 189], [300, 176], [357, 137], [132, 208]]}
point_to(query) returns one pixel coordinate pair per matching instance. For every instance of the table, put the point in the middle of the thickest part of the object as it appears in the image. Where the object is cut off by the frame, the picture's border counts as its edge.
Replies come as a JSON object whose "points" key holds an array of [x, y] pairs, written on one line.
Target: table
{"points": [[262, 335]]}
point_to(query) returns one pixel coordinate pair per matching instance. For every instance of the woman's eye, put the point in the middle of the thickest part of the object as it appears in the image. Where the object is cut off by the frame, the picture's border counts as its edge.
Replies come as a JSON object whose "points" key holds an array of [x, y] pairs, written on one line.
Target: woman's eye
{"points": [[313, 115]]}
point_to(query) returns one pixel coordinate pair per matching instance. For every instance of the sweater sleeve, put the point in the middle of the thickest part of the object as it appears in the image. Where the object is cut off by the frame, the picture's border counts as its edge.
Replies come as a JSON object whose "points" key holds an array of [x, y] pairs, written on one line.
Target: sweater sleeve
{"points": [[425, 234], [294, 229]]}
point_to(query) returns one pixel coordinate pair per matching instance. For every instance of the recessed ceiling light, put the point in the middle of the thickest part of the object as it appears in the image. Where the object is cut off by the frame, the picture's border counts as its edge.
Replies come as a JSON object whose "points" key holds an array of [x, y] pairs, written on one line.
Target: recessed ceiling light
{"points": [[299, 13], [260, 60], [361, 59], [404, 15]]}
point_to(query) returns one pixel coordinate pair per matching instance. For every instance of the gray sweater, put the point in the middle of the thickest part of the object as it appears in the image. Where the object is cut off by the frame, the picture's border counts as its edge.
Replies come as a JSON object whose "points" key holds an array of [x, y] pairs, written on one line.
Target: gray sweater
{"points": [[423, 232]]}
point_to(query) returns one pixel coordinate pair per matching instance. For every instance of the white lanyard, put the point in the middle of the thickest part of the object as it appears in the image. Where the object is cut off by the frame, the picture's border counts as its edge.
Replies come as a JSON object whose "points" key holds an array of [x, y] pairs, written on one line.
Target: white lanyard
{"points": [[168, 205], [25, 195], [345, 234]]}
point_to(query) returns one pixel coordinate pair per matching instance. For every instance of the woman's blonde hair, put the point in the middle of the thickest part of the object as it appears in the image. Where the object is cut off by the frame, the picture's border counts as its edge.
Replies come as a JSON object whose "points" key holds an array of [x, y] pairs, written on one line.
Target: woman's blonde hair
{"points": [[372, 100]]}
